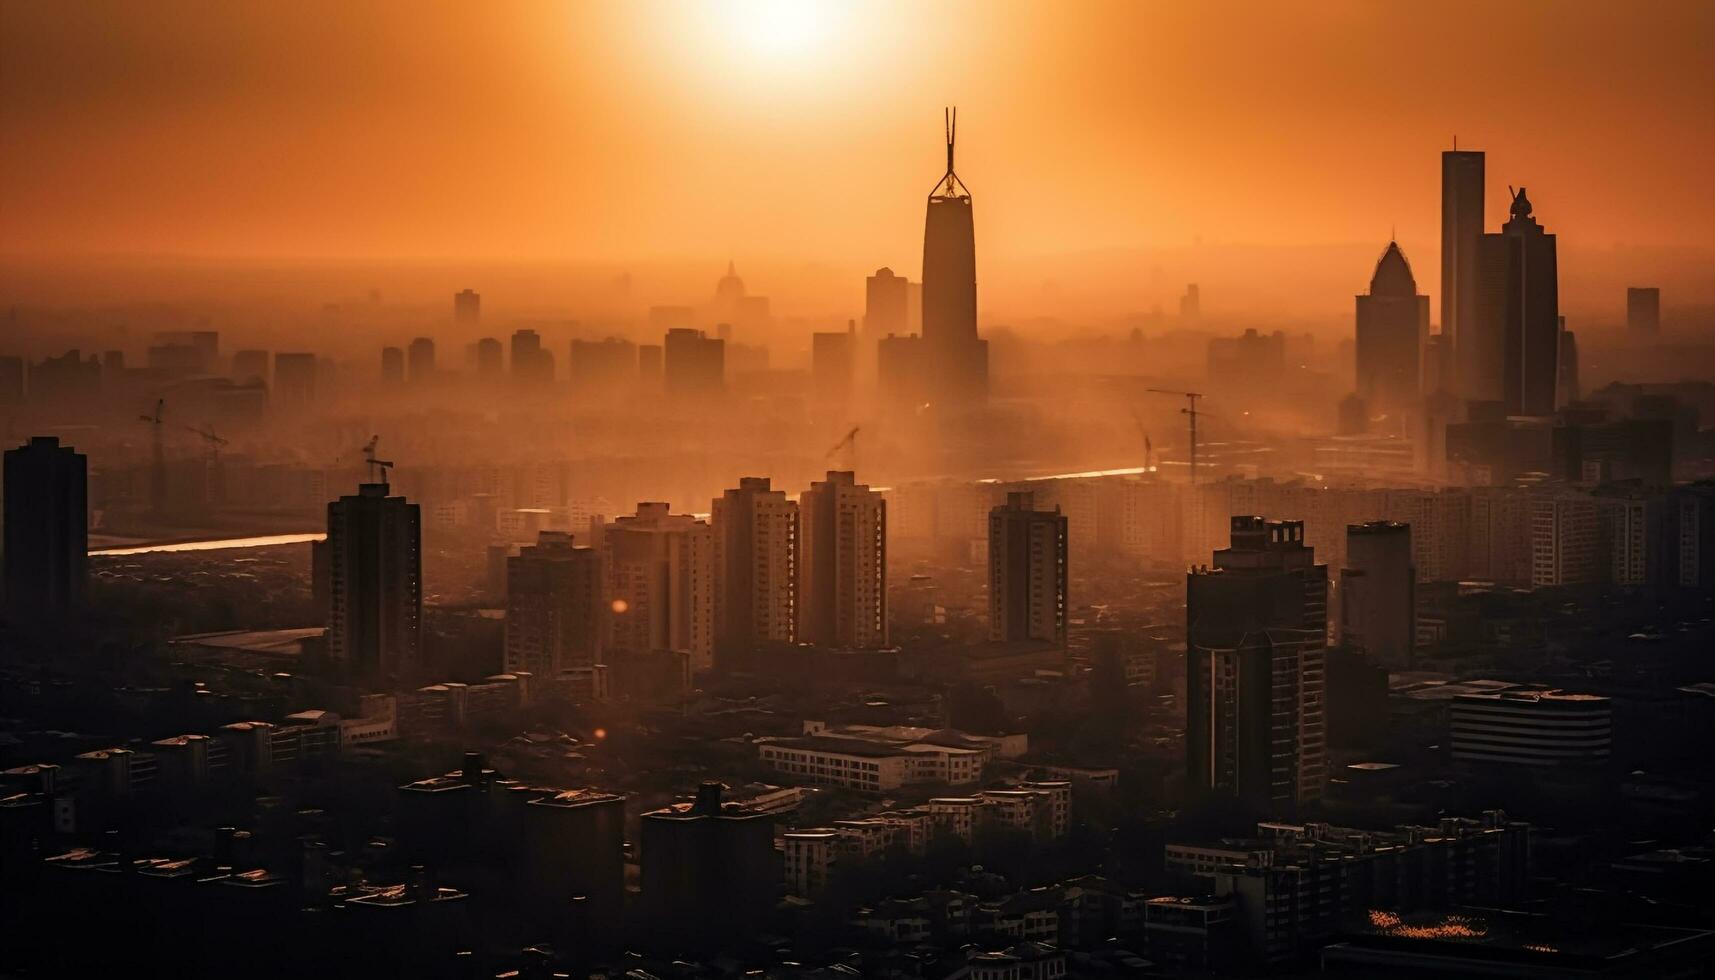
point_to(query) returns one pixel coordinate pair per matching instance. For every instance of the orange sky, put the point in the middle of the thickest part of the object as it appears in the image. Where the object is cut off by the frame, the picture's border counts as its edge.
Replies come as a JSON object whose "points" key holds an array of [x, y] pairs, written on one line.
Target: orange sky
{"points": [[617, 132]]}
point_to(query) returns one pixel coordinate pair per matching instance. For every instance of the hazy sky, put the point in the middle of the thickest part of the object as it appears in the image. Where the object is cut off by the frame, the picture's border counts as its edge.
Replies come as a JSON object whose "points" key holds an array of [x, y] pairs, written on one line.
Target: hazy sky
{"points": [[638, 130]]}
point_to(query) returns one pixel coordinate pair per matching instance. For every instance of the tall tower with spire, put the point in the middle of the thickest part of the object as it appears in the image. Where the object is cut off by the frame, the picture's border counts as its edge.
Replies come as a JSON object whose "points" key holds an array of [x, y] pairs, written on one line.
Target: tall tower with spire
{"points": [[1518, 314], [958, 358], [1392, 331]]}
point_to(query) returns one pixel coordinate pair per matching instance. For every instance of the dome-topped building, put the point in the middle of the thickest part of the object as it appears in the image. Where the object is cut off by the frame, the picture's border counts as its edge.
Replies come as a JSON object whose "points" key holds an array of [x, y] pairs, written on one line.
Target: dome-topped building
{"points": [[1392, 331], [1393, 274]]}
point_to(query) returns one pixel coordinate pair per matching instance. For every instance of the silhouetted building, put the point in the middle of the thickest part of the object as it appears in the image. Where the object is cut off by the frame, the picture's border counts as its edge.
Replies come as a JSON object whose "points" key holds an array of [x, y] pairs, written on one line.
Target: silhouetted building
{"points": [[1191, 304], [958, 358], [1688, 537], [295, 379], [1027, 572], [47, 527], [421, 355], [1378, 593], [756, 568], [833, 364], [603, 367], [1531, 728], [901, 375], [1643, 309], [375, 563], [842, 564], [392, 365], [555, 614], [885, 309], [491, 358], [1251, 358], [467, 307], [1461, 235], [1570, 388], [1257, 630], [1393, 329], [1517, 357], [531, 365], [695, 364], [661, 570], [709, 870]]}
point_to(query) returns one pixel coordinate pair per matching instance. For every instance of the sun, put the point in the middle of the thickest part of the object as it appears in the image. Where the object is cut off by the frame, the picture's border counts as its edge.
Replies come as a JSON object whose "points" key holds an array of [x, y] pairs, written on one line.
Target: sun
{"points": [[782, 27]]}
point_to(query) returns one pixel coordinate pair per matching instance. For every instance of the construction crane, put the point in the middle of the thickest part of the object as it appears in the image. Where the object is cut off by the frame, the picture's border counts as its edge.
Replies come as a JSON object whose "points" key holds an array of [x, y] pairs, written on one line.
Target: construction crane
{"points": [[213, 441], [1190, 412], [375, 463], [849, 440], [158, 465]]}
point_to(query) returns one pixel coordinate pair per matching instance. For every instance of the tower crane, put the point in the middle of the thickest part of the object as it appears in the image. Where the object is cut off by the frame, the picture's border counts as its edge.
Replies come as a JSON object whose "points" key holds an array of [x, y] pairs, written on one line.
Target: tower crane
{"points": [[848, 441], [1148, 448], [375, 463], [1190, 412], [214, 442]]}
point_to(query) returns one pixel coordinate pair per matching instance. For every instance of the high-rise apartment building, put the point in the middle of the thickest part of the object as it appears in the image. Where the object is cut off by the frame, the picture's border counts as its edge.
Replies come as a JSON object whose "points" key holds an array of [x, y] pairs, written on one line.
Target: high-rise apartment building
{"points": [[1517, 360], [1393, 330], [490, 358], [756, 568], [467, 307], [531, 365], [392, 365], [1378, 593], [958, 358], [842, 564], [1256, 639], [694, 363], [47, 527], [660, 584], [375, 589], [1461, 231], [555, 615], [1027, 572], [295, 379], [1643, 309], [1565, 539], [421, 355], [833, 365], [885, 308]]}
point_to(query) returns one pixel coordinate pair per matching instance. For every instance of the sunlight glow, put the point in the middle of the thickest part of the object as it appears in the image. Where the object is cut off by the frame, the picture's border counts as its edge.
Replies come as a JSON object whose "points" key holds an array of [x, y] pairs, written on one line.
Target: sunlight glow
{"points": [[781, 27]]}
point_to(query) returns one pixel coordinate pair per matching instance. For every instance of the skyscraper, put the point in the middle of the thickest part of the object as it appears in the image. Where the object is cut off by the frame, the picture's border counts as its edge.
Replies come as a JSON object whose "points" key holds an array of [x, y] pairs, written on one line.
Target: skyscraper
{"points": [[555, 622], [842, 564], [392, 365], [531, 365], [1518, 316], [1393, 328], [294, 379], [832, 365], [1378, 592], [422, 358], [1643, 309], [467, 307], [660, 582], [490, 357], [886, 306], [958, 358], [1461, 230], [47, 527], [1256, 639], [1570, 388], [694, 365], [375, 558], [1027, 572], [756, 568]]}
